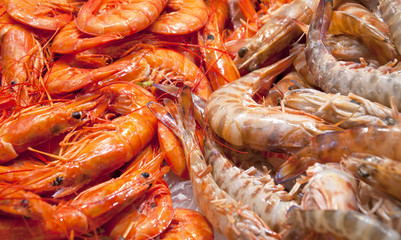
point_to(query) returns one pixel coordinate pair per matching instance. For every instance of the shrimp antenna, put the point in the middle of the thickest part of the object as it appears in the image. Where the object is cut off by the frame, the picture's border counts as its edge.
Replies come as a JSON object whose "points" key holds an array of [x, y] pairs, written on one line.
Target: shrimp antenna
{"points": [[296, 84]]}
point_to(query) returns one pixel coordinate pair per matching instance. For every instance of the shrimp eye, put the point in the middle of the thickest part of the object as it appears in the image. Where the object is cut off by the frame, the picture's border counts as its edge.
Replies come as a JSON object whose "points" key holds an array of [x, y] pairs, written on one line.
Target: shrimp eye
{"points": [[13, 82], [363, 171], [390, 121], [210, 37], [57, 181], [77, 115], [242, 51], [145, 174], [355, 101], [24, 203]]}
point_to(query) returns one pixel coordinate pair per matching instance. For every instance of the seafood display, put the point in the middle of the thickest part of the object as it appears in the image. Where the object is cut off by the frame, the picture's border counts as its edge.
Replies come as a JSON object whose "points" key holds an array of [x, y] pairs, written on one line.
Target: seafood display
{"points": [[200, 119]]}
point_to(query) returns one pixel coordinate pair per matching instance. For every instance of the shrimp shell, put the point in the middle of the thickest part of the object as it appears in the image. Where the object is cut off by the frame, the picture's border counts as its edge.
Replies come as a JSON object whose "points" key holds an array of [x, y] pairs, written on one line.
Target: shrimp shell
{"points": [[331, 76], [268, 200], [226, 215], [381, 173], [350, 111], [391, 12], [237, 118], [332, 147], [348, 224], [330, 187]]}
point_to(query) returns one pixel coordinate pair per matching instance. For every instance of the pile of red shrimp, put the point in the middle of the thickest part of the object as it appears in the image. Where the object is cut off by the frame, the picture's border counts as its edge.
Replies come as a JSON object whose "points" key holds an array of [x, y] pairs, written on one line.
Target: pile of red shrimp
{"points": [[280, 117]]}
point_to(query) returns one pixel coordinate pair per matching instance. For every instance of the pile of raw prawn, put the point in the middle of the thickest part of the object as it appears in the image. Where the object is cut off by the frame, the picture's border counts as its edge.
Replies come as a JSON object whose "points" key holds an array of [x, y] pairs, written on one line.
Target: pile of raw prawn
{"points": [[281, 114]]}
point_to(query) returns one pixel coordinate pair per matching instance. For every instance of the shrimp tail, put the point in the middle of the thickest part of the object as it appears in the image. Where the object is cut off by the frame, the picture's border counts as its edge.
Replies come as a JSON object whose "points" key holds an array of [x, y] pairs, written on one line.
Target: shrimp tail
{"points": [[294, 166], [176, 121], [321, 21]]}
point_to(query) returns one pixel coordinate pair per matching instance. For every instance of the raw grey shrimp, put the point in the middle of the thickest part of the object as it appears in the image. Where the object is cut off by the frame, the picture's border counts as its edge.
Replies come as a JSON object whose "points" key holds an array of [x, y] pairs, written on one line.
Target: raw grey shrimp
{"points": [[374, 203], [347, 111], [356, 20], [329, 186], [380, 172], [349, 48], [332, 147], [245, 187], [301, 65], [332, 76], [391, 11], [238, 119], [226, 215], [341, 223]]}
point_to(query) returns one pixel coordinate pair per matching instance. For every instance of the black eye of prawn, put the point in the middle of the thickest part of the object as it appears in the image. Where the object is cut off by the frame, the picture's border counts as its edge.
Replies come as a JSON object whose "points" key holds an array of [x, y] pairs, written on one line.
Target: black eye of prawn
{"points": [[57, 181], [210, 37], [363, 171], [77, 115], [145, 174], [242, 51], [12, 82]]}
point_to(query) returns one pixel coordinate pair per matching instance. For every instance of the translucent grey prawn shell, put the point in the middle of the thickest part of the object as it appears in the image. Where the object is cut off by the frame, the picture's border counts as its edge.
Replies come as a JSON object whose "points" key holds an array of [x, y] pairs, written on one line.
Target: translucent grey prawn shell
{"points": [[333, 77], [347, 224], [330, 186], [264, 197], [391, 12], [350, 111], [381, 173]]}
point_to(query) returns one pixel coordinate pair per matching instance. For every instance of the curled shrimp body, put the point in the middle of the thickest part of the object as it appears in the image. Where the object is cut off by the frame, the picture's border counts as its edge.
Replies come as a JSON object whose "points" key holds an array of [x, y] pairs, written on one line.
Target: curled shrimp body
{"points": [[237, 118], [391, 11], [100, 17], [356, 20], [225, 214], [42, 14], [331, 76], [333, 146], [188, 224], [277, 33], [182, 17], [270, 201], [157, 65], [104, 149], [381, 173], [349, 48], [87, 211], [35, 125], [347, 111], [21, 59], [341, 223], [70, 40], [146, 218]]}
